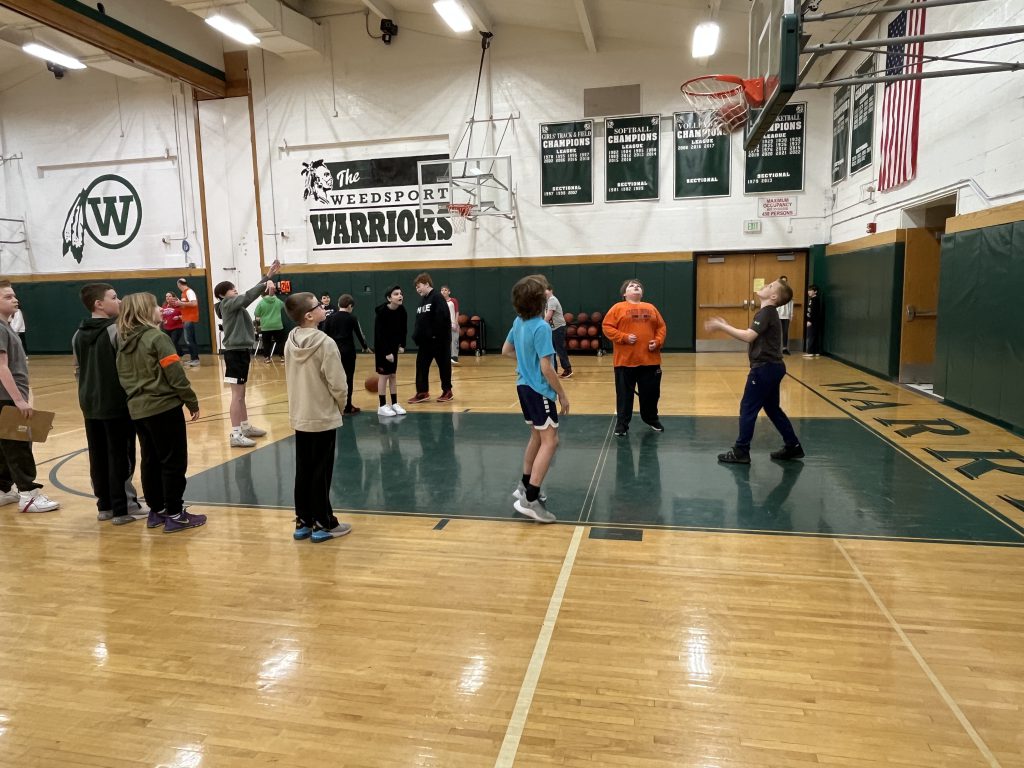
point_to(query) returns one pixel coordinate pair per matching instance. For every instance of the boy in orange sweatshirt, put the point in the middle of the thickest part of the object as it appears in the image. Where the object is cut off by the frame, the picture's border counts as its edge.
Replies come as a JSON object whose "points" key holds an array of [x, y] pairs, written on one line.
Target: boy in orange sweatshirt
{"points": [[637, 330]]}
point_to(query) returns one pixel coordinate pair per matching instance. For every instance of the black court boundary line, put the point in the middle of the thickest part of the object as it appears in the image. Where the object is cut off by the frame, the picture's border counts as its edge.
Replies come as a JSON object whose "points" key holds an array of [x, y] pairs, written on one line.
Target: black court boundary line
{"points": [[996, 514]]}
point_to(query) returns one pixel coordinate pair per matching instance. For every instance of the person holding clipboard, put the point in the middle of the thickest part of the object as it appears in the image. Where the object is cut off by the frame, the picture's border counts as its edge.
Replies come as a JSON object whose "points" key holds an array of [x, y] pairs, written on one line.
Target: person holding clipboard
{"points": [[17, 464]]}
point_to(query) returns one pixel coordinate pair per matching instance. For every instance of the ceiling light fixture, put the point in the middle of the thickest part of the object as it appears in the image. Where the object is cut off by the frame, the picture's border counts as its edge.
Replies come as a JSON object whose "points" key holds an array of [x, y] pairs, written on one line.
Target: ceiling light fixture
{"points": [[705, 39], [238, 32], [48, 54], [454, 15]]}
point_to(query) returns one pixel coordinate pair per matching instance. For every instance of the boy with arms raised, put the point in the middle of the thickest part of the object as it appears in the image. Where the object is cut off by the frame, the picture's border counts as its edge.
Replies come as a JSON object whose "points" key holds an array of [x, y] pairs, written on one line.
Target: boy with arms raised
{"points": [[767, 370], [537, 384]]}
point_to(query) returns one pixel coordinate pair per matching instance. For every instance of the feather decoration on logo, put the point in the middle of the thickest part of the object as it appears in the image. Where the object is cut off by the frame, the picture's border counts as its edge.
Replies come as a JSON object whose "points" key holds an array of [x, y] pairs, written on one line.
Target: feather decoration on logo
{"points": [[74, 228]]}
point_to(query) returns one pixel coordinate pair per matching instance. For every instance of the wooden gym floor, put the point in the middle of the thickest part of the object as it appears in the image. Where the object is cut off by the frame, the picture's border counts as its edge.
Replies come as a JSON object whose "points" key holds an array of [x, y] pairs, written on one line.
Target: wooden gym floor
{"points": [[861, 608]]}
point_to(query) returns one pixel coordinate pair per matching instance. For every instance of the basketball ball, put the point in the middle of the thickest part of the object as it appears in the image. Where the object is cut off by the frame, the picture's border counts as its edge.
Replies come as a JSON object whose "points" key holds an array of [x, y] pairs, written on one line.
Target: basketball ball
{"points": [[570, 332], [371, 382], [463, 344], [472, 344], [463, 319], [582, 317], [595, 343], [596, 317], [471, 332], [592, 330], [574, 344], [462, 330], [474, 319], [569, 317]]}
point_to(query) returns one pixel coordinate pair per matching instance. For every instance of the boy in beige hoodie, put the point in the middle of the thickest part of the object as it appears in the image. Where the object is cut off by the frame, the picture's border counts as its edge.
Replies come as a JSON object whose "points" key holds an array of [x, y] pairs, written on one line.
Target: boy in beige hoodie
{"points": [[316, 398]]}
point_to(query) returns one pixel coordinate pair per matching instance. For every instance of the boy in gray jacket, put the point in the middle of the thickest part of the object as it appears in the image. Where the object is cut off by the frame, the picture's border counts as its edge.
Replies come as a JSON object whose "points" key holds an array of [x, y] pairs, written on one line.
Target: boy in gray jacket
{"points": [[316, 399], [238, 341]]}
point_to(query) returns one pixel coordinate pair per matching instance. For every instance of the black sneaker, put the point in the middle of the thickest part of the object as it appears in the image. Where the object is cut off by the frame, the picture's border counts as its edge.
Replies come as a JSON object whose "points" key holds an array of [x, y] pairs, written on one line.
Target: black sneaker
{"points": [[656, 426], [734, 456], [788, 452], [621, 430]]}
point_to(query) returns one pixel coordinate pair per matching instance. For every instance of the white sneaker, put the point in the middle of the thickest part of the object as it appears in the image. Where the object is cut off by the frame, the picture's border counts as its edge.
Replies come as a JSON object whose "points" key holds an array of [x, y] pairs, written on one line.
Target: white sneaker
{"points": [[9, 497], [252, 431], [534, 509], [399, 410], [241, 441], [34, 501], [193, 363], [387, 410]]}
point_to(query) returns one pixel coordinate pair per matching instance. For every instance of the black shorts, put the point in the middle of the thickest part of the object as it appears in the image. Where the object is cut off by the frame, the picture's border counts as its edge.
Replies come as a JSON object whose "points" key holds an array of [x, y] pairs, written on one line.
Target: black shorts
{"points": [[539, 411], [386, 367], [236, 365]]}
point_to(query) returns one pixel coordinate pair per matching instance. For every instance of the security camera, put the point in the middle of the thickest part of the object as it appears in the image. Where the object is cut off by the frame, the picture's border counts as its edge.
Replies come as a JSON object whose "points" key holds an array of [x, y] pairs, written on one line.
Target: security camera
{"points": [[388, 29], [57, 69]]}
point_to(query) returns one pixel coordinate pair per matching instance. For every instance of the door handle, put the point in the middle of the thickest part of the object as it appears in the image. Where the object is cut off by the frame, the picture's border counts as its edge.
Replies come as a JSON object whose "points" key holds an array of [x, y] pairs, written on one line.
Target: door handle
{"points": [[913, 312]]}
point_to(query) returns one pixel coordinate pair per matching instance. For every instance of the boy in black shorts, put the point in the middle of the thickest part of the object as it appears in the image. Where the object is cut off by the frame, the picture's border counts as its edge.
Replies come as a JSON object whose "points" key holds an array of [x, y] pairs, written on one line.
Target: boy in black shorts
{"points": [[237, 343], [767, 370], [529, 342], [390, 327]]}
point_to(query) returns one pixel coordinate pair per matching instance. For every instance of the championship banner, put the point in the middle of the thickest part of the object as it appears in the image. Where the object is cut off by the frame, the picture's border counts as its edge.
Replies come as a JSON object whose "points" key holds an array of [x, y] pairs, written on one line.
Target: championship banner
{"points": [[862, 137], [372, 204], [777, 164], [840, 132], [567, 163], [631, 157], [703, 161]]}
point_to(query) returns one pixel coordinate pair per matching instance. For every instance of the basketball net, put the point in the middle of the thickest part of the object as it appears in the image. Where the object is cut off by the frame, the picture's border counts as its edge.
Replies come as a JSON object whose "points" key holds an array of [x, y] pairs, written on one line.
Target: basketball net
{"points": [[459, 213], [722, 101]]}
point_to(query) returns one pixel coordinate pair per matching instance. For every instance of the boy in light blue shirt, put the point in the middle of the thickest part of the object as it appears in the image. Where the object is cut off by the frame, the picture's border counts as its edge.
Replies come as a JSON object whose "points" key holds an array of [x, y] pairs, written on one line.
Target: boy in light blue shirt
{"points": [[529, 342]]}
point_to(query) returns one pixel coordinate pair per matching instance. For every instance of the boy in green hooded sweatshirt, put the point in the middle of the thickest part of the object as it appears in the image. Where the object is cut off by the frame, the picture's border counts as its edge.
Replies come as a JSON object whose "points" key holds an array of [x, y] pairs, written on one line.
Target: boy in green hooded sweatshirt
{"points": [[270, 313]]}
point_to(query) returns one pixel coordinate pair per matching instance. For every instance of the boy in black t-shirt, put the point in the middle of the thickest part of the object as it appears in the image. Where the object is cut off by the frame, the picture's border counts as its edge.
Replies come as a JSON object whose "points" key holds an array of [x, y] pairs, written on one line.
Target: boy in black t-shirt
{"points": [[342, 326], [766, 373]]}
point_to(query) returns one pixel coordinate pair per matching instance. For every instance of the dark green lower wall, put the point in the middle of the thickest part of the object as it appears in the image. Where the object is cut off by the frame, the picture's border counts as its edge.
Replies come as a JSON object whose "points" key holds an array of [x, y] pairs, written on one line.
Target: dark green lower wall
{"points": [[979, 350], [485, 291], [862, 292], [53, 310]]}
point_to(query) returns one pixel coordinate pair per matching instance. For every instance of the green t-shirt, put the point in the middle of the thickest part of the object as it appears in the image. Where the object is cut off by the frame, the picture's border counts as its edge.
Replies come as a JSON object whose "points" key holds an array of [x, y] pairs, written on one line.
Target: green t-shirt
{"points": [[269, 313]]}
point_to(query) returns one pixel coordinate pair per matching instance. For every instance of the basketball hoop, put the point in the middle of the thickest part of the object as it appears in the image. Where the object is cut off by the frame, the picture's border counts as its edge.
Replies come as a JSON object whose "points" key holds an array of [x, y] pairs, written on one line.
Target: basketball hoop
{"points": [[722, 101], [459, 213]]}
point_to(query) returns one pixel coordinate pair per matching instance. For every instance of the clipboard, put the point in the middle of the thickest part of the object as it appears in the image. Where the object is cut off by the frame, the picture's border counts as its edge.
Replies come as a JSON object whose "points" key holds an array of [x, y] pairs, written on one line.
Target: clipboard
{"points": [[13, 426]]}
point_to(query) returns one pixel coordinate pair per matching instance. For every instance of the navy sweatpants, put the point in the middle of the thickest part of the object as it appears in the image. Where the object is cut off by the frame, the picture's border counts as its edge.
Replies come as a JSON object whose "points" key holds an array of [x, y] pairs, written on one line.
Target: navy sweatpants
{"points": [[762, 391]]}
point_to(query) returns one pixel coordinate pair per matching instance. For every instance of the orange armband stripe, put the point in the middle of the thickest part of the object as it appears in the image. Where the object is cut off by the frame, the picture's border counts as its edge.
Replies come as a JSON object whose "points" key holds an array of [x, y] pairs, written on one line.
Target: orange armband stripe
{"points": [[164, 362]]}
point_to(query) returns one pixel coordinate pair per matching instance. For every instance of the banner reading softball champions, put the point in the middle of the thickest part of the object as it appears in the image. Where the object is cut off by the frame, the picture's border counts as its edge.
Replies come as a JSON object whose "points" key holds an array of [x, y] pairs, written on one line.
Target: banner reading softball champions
{"points": [[364, 204], [631, 157], [567, 163], [840, 132], [702, 160], [777, 164]]}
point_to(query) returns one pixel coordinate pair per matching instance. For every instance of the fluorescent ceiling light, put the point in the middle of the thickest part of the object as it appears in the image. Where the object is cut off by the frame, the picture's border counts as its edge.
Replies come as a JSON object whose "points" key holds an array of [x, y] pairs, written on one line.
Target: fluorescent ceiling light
{"points": [[42, 52], [453, 14], [234, 30], [705, 40]]}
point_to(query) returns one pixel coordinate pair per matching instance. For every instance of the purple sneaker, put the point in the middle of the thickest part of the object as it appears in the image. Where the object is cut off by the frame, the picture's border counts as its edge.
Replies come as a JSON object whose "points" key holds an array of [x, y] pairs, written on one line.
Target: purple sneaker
{"points": [[182, 521], [156, 518]]}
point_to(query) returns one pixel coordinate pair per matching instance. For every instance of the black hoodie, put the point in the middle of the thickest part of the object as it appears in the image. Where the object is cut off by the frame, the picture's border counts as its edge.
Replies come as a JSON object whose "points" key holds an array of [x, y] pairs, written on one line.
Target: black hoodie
{"points": [[433, 321], [389, 329], [99, 390]]}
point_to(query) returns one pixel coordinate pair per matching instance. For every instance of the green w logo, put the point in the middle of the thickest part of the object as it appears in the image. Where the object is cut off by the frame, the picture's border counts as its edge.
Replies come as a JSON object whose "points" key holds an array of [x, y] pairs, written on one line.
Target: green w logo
{"points": [[111, 217], [112, 213]]}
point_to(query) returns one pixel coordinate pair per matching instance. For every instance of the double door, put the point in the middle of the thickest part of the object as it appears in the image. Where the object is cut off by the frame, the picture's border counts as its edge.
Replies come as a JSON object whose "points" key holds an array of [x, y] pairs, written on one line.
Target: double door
{"points": [[727, 285]]}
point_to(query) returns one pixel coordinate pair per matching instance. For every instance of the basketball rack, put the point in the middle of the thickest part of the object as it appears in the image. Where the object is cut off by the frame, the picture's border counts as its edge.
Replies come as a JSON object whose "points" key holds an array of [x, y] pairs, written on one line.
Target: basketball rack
{"points": [[778, 41]]}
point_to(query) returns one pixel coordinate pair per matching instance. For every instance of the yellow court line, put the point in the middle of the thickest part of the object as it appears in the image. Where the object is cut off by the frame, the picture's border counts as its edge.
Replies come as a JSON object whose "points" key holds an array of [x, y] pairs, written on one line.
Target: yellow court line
{"points": [[517, 723], [939, 687]]}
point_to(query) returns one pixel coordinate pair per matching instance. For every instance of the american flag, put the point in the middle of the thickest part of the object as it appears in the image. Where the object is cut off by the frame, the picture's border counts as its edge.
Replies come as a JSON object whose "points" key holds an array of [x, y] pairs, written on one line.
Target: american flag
{"points": [[901, 103]]}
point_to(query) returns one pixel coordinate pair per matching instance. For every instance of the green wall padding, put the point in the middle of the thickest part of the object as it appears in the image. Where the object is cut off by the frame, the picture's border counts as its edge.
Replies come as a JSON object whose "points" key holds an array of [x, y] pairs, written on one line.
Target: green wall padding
{"points": [[979, 350], [53, 310], [486, 291], [863, 294]]}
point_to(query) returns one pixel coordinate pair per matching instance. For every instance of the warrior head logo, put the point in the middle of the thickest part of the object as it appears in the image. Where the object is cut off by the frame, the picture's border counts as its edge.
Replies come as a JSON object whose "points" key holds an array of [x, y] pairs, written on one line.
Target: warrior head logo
{"points": [[318, 181], [111, 217]]}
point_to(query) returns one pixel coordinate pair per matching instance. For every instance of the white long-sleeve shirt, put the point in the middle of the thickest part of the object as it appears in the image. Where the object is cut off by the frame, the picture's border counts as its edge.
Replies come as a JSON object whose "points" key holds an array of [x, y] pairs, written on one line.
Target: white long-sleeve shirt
{"points": [[18, 322]]}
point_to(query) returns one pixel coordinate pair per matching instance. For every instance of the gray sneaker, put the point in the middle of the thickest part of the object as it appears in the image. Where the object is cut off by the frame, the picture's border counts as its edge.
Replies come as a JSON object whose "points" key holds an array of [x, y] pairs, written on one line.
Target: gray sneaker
{"points": [[520, 493], [131, 517], [105, 514], [241, 441], [534, 509], [341, 529]]}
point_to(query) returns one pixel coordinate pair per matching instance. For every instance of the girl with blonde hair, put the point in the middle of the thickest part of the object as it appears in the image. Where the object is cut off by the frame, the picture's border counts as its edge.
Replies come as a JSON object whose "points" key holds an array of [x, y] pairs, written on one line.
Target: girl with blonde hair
{"points": [[152, 376]]}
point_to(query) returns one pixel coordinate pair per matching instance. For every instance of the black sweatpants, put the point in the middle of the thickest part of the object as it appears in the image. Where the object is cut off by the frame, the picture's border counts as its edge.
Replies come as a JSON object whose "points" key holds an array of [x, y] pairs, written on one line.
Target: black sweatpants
{"points": [[17, 464], [314, 470], [813, 341], [112, 462], [561, 355], [434, 351], [164, 459], [272, 341], [646, 381], [762, 392], [348, 362]]}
